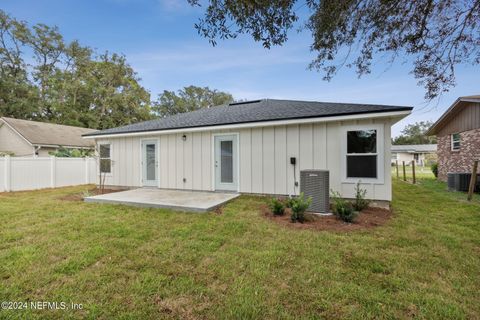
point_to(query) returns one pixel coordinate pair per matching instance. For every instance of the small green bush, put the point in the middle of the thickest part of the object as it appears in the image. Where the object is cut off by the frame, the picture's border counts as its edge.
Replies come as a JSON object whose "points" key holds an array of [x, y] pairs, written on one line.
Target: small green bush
{"points": [[63, 152], [342, 208], [277, 206], [6, 153], [288, 202], [434, 168], [360, 201], [86, 194], [299, 205]]}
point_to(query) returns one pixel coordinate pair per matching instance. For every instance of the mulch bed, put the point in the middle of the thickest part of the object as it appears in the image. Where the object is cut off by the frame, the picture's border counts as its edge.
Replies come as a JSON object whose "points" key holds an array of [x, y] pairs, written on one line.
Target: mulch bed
{"points": [[367, 219], [91, 192]]}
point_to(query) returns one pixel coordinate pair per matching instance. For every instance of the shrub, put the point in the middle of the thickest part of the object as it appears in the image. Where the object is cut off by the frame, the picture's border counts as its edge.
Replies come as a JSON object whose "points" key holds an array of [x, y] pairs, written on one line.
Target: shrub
{"points": [[360, 201], [299, 205], [63, 152], [277, 207], [289, 201], [86, 194], [6, 153], [342, 208], [434, 168]]}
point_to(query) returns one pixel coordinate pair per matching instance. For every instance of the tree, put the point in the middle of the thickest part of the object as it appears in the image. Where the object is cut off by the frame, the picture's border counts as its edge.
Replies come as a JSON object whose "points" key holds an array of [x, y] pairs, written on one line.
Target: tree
{"points": [[189, 99], [415, 134], [67, 83], [435, 35], [101, 93], [18, 95]]}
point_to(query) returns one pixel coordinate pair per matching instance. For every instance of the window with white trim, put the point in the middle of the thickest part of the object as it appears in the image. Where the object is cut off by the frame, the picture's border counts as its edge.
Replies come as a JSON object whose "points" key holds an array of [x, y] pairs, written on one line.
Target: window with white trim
{"points": [[105, 159], [455, 141], [362, 156]]}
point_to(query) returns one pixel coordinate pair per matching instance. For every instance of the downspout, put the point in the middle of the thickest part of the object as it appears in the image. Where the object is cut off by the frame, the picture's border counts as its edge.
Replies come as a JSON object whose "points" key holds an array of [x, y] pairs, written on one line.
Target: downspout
{"points": [[35, 150]]}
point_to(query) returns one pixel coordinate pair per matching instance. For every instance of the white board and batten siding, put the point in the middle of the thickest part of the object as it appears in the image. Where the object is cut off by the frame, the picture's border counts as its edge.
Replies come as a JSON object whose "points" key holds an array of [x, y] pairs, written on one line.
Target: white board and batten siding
{"points": [[18, 174], [264, 158]]}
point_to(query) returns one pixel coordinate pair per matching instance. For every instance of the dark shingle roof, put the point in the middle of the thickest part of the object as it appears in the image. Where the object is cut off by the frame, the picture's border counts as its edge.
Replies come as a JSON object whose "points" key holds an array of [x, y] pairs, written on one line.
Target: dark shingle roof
{"points": [[251, 111]]}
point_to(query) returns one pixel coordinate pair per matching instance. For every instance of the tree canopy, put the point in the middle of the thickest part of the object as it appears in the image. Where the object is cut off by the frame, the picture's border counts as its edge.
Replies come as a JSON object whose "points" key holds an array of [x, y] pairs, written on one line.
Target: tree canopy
{"points": [[435, 36], [415, 134], [188, 99], [65, 82]]}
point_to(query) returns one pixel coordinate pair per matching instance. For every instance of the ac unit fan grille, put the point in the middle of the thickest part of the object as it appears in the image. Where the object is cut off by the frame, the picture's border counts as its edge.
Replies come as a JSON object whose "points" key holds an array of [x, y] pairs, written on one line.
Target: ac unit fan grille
{"points": [[316, 184]]}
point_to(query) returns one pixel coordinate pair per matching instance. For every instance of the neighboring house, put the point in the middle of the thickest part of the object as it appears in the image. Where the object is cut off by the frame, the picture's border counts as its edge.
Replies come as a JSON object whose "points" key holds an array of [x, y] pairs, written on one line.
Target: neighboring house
{"points": [[24, 138], [255, 147], [458, 136], [422, 154]]}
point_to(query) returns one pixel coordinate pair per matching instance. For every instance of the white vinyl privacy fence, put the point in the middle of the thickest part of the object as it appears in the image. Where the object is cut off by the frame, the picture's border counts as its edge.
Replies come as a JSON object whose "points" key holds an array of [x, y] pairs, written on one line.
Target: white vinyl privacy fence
{"points": [[18, 174]]}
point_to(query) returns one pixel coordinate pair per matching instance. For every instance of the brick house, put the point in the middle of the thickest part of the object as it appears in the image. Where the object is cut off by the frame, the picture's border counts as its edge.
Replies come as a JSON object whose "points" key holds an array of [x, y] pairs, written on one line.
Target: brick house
{"points": [[458, 136]]}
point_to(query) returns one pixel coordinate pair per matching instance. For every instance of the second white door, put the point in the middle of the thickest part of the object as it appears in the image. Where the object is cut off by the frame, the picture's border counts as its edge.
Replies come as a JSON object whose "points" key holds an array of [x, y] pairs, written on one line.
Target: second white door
{"points": [[149, 163], [226, 158]]}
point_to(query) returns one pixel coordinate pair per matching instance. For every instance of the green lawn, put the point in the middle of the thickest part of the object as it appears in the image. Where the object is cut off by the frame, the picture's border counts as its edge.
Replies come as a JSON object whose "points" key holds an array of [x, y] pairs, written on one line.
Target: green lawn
{"points": [[123, 262], [420, 172]]}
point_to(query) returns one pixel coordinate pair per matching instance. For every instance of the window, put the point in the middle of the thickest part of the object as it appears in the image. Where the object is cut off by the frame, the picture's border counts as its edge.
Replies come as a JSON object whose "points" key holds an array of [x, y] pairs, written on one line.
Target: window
{"points": [[105, 160], [362, 156], [455, 142]]}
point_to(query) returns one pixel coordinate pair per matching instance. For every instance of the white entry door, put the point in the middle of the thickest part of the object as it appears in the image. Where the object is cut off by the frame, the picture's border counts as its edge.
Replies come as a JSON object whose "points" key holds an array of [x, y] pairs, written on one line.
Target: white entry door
{"points": [[226, 158], [149, 163]]}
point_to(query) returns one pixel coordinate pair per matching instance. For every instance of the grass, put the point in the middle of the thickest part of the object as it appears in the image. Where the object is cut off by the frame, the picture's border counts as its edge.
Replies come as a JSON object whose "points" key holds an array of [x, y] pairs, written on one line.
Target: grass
{"points": [[420, 172], [122, 262]]}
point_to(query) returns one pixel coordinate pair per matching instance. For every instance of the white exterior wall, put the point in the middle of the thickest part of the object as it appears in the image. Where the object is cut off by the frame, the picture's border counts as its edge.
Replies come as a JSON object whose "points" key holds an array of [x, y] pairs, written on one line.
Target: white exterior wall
{"points": [[408, 158], [403, 156], [264, 158], [10, 141]]}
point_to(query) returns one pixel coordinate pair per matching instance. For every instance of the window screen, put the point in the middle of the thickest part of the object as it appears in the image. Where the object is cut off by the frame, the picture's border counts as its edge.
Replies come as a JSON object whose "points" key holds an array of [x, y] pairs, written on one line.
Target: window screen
{"points": [[362, 166]]}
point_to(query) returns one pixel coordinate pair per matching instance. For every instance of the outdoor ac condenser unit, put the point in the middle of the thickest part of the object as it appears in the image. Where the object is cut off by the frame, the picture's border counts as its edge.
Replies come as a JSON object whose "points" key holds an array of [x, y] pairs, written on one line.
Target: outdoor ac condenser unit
{"points": [[461, 182], [315, 184]]}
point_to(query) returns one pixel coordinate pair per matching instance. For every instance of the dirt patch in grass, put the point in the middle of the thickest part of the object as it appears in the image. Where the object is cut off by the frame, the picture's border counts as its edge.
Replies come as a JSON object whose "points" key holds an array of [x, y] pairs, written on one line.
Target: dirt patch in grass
{"points": [[367, 219], [182, 307], [91, 192]]}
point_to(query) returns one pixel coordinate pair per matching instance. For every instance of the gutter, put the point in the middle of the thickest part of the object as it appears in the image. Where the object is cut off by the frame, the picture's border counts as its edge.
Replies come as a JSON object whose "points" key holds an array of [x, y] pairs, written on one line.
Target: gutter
{"points": [[58, 146]]}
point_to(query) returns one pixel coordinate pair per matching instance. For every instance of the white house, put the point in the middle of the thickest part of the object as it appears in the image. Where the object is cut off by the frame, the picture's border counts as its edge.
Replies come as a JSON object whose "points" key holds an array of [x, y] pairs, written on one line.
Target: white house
{"points": [[25, 138], [255, 147], [419, 153]]}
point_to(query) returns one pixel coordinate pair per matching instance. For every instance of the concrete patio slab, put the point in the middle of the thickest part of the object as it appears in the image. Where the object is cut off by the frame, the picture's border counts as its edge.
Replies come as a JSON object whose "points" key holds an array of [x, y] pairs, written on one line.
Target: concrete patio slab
{"points": [[198, 201]]}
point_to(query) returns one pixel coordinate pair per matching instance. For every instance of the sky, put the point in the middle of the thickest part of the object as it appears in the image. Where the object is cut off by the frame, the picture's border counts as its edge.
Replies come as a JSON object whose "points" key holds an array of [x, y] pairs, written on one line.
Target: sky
{"points": [[160, 42]]}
